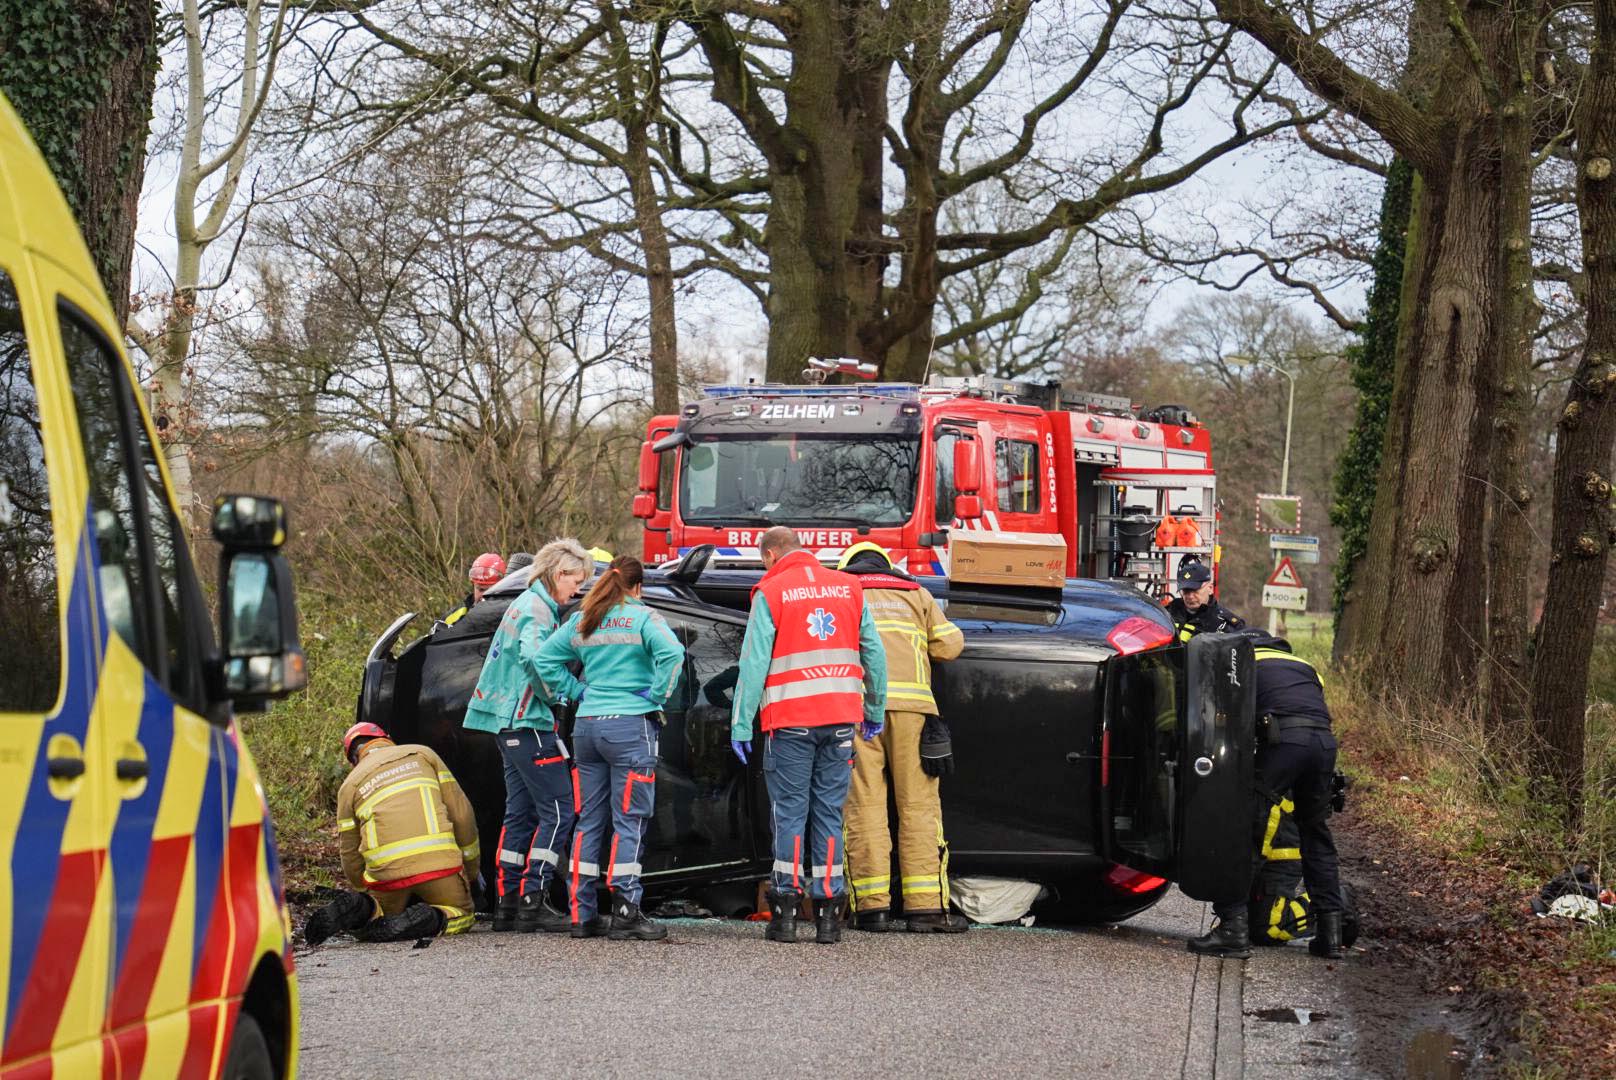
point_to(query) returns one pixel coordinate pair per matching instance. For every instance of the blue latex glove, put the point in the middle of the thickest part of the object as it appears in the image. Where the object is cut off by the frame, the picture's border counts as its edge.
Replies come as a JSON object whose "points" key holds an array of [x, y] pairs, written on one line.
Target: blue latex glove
{"points": [[646, 694], [869, 729], [741, 748]]}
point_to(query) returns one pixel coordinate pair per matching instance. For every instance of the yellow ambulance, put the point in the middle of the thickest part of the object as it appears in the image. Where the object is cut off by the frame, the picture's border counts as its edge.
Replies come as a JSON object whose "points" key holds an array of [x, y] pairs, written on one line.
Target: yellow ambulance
{"points": [[142, 927]]}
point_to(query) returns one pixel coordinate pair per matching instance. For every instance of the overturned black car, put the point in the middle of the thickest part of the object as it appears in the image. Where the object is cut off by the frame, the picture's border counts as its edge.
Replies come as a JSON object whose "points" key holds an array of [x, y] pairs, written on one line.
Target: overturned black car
{"points": [[1095, 754]]}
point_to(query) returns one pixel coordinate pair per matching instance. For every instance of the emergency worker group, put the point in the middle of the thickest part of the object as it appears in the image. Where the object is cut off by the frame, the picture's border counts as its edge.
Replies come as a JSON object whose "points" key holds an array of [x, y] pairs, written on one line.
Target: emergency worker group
{"points": [[833, 692]]}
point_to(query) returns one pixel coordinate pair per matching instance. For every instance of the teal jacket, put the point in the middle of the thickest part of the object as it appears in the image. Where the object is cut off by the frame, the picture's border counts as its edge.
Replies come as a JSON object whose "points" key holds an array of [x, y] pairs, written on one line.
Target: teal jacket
{"points": [[509, 693], [757, 653], [631, 662]]}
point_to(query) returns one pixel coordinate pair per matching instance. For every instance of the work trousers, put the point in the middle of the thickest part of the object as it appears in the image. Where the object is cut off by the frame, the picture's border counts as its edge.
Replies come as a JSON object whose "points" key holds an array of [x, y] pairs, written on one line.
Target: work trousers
{"points": [[539, 809], [616, 758], [808, 771], [450, 895], [921, 850], [1301, 766]]}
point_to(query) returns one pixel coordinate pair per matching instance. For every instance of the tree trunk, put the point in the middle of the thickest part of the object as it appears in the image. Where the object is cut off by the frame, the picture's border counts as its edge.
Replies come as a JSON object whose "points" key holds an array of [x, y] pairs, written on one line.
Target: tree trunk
{"points": [[1581, 536], [658, 272], [81, 74]]}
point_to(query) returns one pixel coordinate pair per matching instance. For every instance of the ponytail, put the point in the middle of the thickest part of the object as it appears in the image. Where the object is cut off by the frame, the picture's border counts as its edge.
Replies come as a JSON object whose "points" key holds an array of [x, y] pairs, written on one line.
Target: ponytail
{"points": [[620, 579]]}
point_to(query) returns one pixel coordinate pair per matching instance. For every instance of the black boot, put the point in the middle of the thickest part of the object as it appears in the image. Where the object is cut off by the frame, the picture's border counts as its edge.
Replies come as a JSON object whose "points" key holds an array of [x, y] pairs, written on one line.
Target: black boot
{"points": [[829, 922], [535, 912], [629, 923], [875, 922], [596, 927], [415, 921], [505, 912], [1228, 939], [938, 922], [783, 916], [346, 914], [1326, 941]]}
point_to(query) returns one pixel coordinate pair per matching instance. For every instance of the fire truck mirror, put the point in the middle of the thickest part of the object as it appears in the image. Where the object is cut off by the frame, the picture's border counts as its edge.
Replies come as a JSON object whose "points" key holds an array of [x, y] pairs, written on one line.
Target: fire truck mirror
{"points": [[967, 471], [645, 504], [648, 467], [967, 507]]}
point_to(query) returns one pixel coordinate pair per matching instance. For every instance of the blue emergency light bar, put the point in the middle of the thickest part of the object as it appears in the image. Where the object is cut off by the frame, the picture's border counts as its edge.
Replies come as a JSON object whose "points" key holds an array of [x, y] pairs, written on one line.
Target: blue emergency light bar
{"points": [[904, 391]]}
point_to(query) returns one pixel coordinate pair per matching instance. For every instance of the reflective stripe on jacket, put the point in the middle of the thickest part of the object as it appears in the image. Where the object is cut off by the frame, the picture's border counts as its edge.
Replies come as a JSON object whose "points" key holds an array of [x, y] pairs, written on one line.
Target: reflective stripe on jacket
{"points": [[913, 634], [812, 655], [509, 693], [402, 819], [631, 663]]}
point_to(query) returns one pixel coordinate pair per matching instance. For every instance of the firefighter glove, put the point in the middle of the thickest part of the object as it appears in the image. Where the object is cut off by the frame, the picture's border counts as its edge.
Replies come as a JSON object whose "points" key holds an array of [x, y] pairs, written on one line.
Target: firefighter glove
{"points": [[936, 747]]}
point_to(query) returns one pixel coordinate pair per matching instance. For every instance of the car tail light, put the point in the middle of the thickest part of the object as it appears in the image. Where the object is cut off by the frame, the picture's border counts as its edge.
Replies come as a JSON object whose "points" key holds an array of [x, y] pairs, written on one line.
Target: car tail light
{"points": [[1128, 880], [1136, 634]]}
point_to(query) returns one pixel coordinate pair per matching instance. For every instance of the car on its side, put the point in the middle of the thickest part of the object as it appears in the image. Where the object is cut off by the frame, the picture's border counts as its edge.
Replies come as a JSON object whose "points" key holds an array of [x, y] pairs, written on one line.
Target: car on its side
{"points": [[1094, 753]]}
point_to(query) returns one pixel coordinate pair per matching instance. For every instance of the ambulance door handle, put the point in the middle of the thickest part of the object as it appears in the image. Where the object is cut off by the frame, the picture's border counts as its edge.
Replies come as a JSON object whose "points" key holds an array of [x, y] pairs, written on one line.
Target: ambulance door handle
{"points": [[65, 768], [133, 768]]}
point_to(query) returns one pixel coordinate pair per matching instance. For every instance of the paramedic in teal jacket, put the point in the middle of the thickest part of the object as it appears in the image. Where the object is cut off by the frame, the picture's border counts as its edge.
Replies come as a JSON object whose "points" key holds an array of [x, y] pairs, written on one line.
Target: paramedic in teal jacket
{"points": [[631, 663], [512, 704]]}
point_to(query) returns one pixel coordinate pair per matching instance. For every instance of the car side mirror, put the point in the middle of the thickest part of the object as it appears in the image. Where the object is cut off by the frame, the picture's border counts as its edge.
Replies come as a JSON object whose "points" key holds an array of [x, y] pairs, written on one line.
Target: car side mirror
{"points": [[967, 468]]}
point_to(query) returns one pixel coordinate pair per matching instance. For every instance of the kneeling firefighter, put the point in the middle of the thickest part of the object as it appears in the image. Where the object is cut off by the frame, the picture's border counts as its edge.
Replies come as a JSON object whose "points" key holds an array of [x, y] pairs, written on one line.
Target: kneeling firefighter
{"points": [[409, 840], [915, 747], [1296, 756], [631, 664]]}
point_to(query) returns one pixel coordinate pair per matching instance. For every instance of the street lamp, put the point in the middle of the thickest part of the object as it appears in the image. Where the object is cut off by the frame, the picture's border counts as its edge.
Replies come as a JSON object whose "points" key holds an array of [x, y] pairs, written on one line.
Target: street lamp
{"points": [[1240, 360]]}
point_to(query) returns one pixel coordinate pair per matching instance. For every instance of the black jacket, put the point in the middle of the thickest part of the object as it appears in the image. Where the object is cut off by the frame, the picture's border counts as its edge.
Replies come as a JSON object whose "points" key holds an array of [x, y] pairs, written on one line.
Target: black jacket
{"points": [[1210, 618]]}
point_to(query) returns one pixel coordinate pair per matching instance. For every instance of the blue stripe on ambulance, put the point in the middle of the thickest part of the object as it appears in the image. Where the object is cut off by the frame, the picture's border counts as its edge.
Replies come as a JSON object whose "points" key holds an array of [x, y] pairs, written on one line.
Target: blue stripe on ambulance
{"points": [[209, 842], [130, 848], [37, 854]]}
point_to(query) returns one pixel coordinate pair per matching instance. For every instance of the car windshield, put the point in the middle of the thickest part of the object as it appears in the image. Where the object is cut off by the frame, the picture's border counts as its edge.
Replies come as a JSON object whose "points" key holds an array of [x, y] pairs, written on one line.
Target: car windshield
{"points": [[799, 480]]}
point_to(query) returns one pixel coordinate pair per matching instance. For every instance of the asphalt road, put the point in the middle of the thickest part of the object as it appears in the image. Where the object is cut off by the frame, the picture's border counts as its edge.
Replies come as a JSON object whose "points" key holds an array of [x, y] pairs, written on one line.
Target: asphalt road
{"points": [[718, 1000]]}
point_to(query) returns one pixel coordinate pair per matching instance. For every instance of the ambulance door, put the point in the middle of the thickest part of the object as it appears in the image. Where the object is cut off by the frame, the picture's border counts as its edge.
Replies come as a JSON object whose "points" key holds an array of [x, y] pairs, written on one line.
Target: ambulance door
{"points": [[52, 971], [1177, 759], [170, 769]]}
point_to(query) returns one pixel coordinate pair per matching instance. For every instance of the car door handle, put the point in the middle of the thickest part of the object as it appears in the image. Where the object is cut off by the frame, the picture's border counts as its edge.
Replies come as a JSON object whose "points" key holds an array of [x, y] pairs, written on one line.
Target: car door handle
{"points": [[133, 768], [65, 768]]}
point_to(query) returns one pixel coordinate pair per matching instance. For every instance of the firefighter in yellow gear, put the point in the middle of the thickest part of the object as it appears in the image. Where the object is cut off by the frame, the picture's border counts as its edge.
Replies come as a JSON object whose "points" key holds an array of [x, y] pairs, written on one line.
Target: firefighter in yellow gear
{"points": [[914, 748], [409, 842]]}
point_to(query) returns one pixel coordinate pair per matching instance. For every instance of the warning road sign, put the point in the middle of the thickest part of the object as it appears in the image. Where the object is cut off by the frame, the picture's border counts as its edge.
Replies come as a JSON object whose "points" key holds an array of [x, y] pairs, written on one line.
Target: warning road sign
{"points": [[1285, 575], [1284, 597]]}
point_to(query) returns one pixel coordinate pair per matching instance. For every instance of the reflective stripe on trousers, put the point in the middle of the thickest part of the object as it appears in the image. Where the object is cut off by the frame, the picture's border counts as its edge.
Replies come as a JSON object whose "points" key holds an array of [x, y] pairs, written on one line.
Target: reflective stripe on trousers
{"points": [[539, 812], [807, 771]]}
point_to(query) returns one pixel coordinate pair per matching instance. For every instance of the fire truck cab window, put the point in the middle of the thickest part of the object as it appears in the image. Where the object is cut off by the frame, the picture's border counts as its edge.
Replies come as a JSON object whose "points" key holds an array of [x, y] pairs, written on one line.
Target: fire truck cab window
{"points": [[799, 480], [945, 477], [1016, 465]]}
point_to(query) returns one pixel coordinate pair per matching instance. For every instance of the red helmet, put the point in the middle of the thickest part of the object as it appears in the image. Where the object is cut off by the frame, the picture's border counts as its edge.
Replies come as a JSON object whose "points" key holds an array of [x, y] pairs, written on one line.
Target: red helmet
{"points": [[487, 569], [362, 730]]}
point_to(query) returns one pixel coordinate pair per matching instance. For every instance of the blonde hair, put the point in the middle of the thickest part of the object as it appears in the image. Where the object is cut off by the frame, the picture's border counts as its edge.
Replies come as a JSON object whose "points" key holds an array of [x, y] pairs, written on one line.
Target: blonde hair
{"points": [[556, 556]]}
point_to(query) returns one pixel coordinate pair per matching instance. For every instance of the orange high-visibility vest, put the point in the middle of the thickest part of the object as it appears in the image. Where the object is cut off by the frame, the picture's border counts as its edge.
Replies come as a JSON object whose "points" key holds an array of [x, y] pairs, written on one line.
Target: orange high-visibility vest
{"points": [[1167, 532], [816, 676]]}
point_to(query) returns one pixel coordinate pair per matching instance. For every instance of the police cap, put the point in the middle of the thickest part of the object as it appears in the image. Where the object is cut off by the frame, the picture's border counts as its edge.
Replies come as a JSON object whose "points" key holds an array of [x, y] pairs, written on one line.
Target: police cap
{"points": [[1192, 575]]}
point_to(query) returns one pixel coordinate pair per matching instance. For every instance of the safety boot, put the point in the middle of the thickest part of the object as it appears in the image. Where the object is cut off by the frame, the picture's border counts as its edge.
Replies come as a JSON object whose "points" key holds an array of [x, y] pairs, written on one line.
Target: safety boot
{"points": [[349, 912], [415, 921], [505, 912], [596, 927], [783, 916], [535, 912], [875, 922], [938, 922], [828, 925], [630, 923], [1326, 941], [1229, 939]]}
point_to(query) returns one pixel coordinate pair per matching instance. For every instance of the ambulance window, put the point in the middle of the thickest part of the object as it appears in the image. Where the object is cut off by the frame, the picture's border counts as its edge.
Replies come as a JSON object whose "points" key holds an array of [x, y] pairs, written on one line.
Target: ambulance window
{"points": [[31, 662], [138, 536], [1016, 464]]}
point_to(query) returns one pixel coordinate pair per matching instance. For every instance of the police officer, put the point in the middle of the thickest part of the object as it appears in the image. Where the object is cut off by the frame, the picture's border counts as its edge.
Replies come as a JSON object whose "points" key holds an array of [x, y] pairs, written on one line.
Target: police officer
{"points": [[631, 664], [513, 704], [1194, 610], [1296, 755], [812, 668], [915, 748]]}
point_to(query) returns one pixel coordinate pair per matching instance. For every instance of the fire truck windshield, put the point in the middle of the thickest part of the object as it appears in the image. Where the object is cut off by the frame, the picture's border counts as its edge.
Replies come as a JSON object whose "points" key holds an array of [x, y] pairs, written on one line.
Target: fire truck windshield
{"points": [[799, 479]]}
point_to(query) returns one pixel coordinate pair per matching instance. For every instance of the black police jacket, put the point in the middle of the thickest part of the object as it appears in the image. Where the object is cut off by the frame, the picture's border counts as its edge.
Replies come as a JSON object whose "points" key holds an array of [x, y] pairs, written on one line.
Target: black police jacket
{"points": [[1287, 685], [1210, 618]]}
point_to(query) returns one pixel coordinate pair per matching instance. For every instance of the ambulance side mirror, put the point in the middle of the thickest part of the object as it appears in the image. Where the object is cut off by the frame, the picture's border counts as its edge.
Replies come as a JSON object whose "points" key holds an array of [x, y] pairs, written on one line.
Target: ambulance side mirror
{"points": [[967, 471], [263, 658]]}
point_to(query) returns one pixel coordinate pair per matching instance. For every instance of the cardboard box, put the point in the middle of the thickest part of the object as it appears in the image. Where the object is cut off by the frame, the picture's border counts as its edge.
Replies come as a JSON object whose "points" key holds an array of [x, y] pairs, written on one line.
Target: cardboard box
{"points": [[1007, 558]]}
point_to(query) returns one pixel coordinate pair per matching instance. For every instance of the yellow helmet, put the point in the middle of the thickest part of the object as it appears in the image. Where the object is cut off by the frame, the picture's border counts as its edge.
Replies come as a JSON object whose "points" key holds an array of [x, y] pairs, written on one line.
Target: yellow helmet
{"points": [[600, 554], [863, 545]]}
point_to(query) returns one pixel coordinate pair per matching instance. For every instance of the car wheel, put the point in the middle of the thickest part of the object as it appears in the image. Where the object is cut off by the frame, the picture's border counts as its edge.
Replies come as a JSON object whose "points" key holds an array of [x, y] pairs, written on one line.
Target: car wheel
{"points": [[249, 1053]]}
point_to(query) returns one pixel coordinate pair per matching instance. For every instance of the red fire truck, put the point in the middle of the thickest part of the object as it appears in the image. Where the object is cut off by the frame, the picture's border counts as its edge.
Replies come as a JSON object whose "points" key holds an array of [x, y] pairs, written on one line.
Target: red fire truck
{"points": [[903, 464]]}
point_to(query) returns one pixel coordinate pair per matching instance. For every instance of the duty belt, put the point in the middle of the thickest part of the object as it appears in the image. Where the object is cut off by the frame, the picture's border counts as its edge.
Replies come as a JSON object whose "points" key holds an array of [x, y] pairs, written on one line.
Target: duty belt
{"points": [[1272, 725]]}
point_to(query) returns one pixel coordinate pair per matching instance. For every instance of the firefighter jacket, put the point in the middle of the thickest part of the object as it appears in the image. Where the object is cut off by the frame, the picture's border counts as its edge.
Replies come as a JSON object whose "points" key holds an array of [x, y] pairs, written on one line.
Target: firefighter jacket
{"points": [[1210, 618], [812, 655], [402, 819], [631, 663], [509, 693], [913, 634]]}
